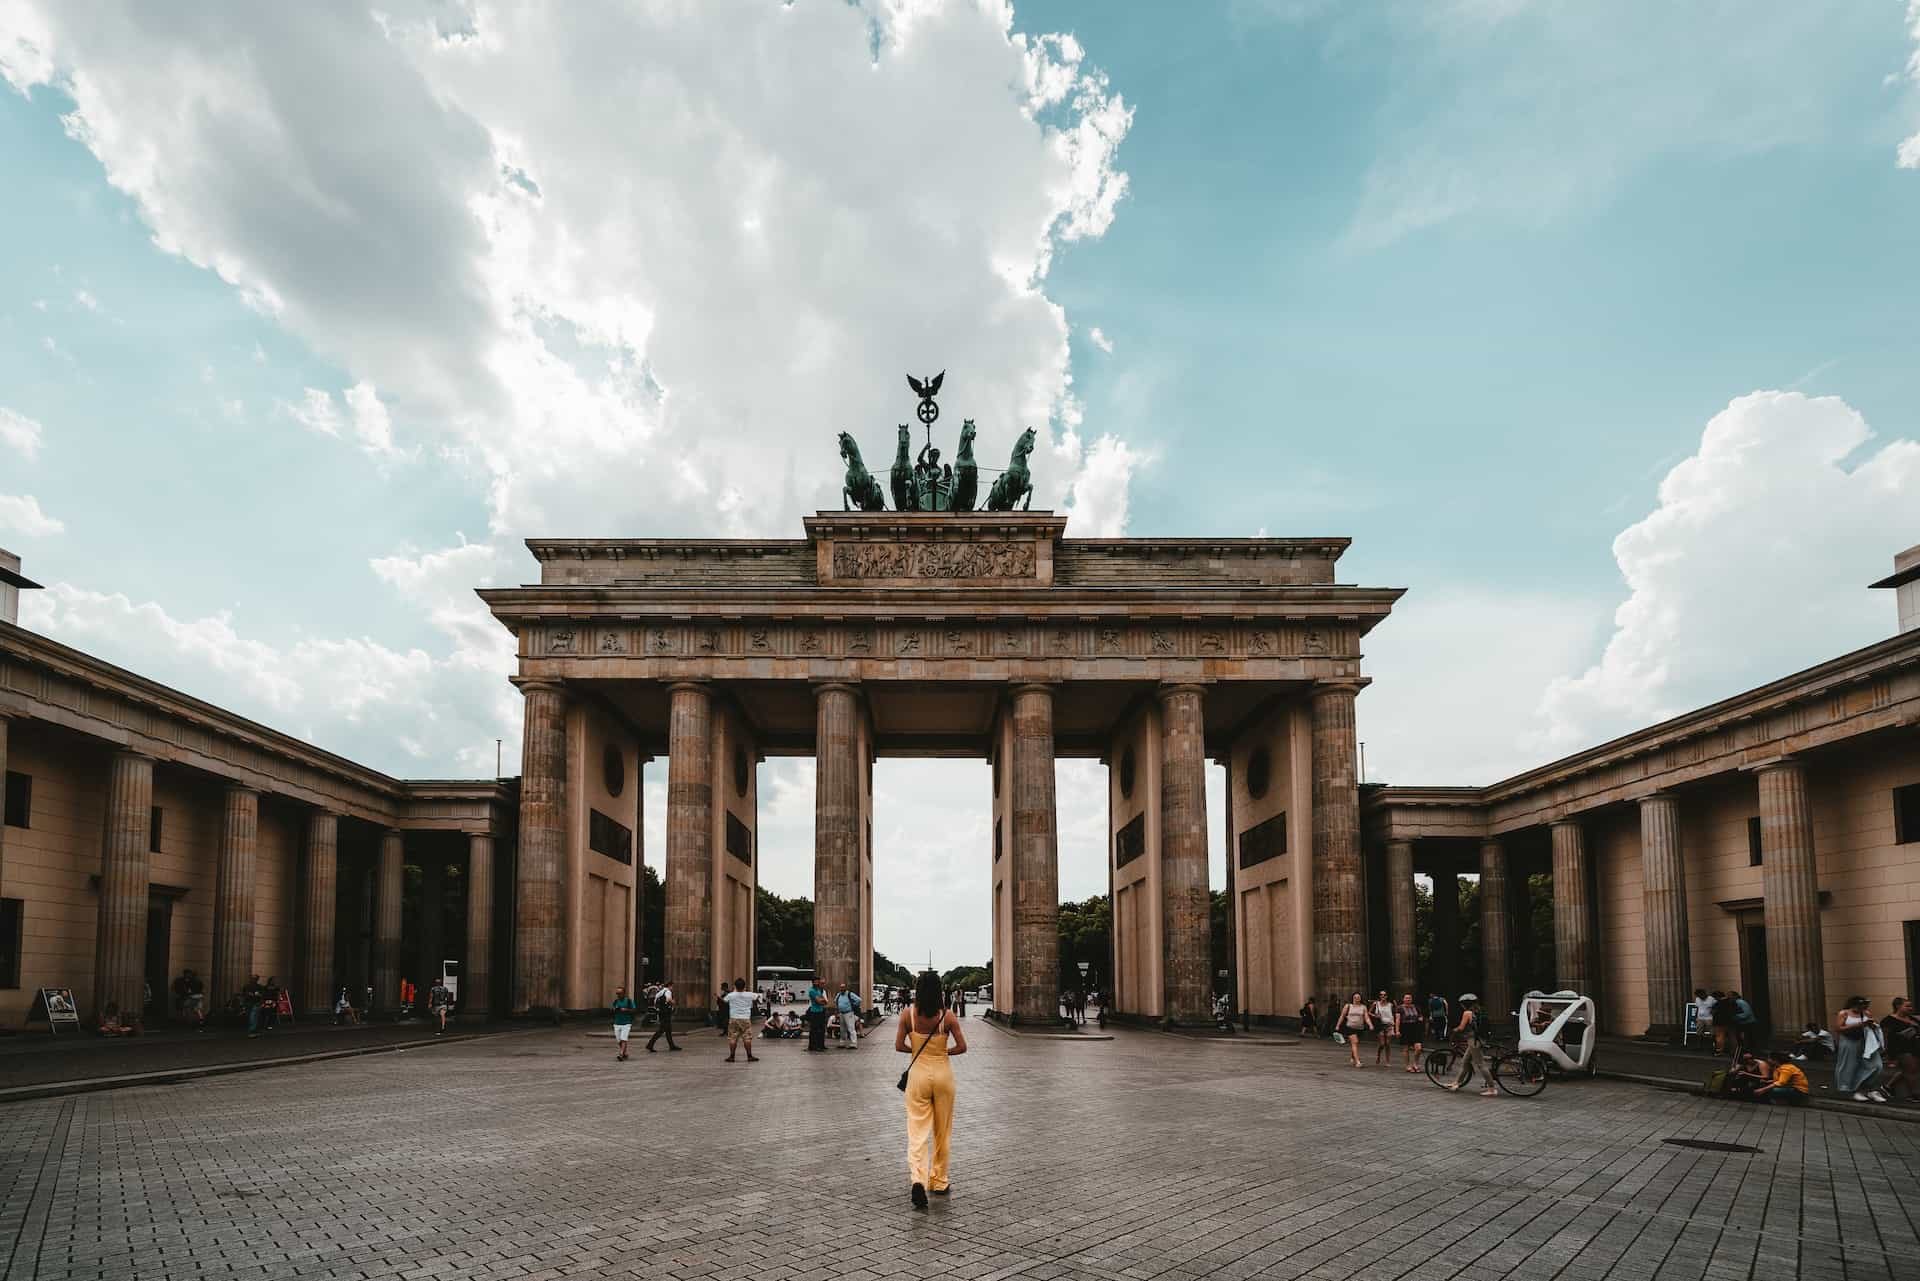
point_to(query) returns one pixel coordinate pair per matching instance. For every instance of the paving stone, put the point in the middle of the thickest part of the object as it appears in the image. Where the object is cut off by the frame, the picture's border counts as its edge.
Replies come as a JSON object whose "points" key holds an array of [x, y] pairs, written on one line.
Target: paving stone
{"points": [[1144, 1157]]}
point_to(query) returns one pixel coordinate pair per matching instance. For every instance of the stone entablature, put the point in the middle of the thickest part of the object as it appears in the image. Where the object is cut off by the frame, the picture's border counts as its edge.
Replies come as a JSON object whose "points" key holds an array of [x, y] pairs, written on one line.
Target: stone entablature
{"points": [[43, 680], [1872, 689], [980, 549]]}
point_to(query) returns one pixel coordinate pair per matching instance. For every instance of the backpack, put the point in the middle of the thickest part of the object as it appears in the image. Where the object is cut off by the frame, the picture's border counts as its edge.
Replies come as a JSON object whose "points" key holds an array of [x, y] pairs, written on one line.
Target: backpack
{"points": [[661, 1001]]}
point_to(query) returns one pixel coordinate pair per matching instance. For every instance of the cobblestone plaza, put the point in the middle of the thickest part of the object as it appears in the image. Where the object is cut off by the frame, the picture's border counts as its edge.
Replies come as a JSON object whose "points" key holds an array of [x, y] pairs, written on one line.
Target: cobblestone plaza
{"points": [[535, 1155]]}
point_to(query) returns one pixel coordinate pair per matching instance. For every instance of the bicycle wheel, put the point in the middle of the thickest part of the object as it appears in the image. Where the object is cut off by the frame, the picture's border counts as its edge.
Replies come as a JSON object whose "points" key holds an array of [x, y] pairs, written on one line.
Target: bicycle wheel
{"points": [[1441, 1067], [1521, 1075]]}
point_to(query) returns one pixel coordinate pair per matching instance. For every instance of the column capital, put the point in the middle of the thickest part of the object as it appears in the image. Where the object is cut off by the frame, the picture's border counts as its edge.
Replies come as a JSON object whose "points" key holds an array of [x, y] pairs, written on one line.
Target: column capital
{"points": [[699, 686], [1034, 687], [133, 754], [843, 687], [1566, 820], [1664, 794], [1348, 686], [241, 789], [541, 684], [1171, 689], [1492, 842], [394, 832], [1787, 761]]}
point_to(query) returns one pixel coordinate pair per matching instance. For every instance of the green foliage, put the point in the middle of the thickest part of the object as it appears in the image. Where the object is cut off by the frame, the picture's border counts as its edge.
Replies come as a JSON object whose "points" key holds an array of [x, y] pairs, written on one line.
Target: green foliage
{"points": [[967, 976], [890, 973], [1086, 934], [653, 924], [784, 932]]}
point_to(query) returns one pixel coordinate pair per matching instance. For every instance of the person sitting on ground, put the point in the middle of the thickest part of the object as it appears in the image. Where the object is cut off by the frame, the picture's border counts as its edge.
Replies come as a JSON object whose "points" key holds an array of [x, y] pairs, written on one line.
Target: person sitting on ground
{"points": [[343, 1011], [775, 1026], [112, 1024], [1816, 1040], [1748, 1077], [1789, 1083]]}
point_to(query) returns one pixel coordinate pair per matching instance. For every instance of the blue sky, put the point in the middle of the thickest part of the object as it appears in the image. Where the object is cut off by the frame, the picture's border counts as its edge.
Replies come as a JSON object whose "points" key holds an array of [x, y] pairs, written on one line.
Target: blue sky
{"points": [[1592, 325]]}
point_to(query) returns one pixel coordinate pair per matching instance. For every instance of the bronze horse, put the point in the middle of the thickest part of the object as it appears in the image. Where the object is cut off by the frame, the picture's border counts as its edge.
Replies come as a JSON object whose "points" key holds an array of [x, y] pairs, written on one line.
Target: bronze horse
{"points": [[1016, 481], [860, 486], [966, 472]]}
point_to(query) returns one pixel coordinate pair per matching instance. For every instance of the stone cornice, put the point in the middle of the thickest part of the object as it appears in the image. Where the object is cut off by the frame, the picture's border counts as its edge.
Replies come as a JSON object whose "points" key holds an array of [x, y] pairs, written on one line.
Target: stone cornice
{"points": [[44, 680], [1871, 689]]}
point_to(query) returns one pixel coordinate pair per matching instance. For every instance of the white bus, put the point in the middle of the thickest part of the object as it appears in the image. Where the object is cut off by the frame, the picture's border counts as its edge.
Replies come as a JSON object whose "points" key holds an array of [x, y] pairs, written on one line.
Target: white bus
{"points": [[792, 980]]}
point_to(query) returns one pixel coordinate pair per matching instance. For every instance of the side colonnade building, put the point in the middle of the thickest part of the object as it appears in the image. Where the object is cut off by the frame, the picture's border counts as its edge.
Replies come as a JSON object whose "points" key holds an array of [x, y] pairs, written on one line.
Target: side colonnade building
{"points": [[146, 832], [1767, 844]]}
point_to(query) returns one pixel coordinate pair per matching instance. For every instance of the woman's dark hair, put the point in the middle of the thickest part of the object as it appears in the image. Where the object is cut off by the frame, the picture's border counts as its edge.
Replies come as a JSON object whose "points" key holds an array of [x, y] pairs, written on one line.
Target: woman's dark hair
{"points": [[929, 998]]}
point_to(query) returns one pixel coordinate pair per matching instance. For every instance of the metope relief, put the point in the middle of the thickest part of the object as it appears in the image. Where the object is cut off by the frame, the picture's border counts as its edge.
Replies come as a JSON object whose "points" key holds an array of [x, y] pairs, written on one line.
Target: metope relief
{"points": [[933, 560]]}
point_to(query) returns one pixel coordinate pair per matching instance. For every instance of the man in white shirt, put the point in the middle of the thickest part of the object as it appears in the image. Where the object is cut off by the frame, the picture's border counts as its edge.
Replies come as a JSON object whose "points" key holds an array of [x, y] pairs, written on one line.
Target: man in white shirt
{"points": [[847, 1004], [663, 1004], [740, 1003]]}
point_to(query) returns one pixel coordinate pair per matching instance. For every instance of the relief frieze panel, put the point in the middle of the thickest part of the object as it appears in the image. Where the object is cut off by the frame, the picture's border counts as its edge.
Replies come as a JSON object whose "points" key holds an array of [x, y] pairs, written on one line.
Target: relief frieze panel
{"points": [[1080, 639], [997, 560]]}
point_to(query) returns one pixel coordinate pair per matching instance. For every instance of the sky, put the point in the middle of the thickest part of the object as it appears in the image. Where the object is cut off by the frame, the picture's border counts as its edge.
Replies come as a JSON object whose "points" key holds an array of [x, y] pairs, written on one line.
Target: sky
{"points": [[1592, 326]]}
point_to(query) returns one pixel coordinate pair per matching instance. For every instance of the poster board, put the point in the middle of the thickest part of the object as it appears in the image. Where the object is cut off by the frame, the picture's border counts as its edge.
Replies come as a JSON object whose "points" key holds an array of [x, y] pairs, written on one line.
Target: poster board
{"points": [[1690, 1026], [57, 1006]]}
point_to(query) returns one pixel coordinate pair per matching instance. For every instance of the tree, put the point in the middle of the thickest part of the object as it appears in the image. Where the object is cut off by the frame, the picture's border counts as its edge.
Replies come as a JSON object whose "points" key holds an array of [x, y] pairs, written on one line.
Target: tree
{"points": [[966, 976], [784, 935], [653, 924], [890, 973], [1086, 934]]}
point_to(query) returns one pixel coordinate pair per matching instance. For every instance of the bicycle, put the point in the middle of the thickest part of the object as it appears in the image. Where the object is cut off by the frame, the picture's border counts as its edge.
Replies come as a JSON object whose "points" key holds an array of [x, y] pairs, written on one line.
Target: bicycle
{"points": [[1521, 1073]]}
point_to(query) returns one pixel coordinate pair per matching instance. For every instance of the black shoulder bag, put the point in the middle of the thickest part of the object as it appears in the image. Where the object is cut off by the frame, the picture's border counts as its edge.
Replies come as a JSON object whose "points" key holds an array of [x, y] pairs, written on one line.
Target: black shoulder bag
{"points": [[939, 1030]]}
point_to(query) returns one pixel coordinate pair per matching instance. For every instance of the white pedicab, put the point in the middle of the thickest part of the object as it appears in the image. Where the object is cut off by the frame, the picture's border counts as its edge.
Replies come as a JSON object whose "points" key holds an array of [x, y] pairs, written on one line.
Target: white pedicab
{"points": [[1560, 1026]]}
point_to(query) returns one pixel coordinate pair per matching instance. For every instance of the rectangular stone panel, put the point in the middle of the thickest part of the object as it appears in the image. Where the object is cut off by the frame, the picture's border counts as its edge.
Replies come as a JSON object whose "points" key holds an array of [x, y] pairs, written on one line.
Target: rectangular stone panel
{"points": [[1264, 841], [739, 840], [1130, 842], [607, 835]]}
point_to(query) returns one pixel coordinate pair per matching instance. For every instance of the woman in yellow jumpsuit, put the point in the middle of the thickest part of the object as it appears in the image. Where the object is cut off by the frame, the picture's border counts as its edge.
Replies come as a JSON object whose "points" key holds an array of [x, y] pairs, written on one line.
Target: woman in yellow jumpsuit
{"points": [[930, 1033]]}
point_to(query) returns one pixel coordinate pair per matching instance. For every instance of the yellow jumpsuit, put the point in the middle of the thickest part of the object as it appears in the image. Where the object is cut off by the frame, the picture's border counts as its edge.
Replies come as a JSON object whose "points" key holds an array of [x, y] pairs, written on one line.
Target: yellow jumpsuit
{"points": [[929, 1110]]}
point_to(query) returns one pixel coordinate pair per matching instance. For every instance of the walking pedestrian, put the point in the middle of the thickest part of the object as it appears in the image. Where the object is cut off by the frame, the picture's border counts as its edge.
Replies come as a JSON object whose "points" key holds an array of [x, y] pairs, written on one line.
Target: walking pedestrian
{"points": [[440, 1005], [1412, 1025], [1902, 1029], [740, 1003], [1354, 1023], [1439, 1018], [1383, 1026], [663, 1006], [1746, 1024], [1309, 1016], [623, 1007], [1720, 1018], [1473, 1055], [1857, 1061], [933, 1036], [848, 1005], [1702, 1011]]}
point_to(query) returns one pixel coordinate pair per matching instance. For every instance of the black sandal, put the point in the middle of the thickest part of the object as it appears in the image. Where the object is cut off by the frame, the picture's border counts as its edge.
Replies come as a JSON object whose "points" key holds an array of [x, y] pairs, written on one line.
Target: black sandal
{"points": [[919, 1197]]}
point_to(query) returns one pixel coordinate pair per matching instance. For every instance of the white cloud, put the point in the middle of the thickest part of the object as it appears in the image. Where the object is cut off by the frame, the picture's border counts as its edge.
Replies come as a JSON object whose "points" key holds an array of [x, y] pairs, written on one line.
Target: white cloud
{"points": [[86, 299], [1908, 156], [1753, 565], [22, 515], [20, 433], [1098, 338], [366, 419]]}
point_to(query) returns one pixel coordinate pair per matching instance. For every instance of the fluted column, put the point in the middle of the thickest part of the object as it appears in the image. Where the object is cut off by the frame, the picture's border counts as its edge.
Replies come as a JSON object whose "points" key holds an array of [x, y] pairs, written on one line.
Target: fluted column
{"points": [[1339, 896], [1036, 860], [476, 971], [689, 870], [1796, 978], [540, 925], [120, 937], [3, 800], [1572, 910], [233, 895], [388, 877], [1400, 916], [1496, 981], [838, 770], [1186, 909], [1663, 914], [321, 868]]}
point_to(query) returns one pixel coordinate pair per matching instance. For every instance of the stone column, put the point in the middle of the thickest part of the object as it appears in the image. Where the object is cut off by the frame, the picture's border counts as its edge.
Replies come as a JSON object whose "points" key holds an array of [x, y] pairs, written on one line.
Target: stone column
{"points": [[1496, 963], [433, 912], [233, 896], [838, 770], [3, 800], [476, 970], [1400, 917], [689, 869], [1663, 913], [1572, 910], [388, 878], [1339, 897], [1446, 934], [321, 871], [540, 926], [1796, 979], [1186, 909], [1036, 861], [120, 937]]}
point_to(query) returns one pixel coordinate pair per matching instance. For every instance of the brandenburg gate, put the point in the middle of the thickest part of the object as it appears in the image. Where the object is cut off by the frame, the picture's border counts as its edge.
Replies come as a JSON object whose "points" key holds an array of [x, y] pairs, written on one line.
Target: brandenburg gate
{"points": [[944, 631]]}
